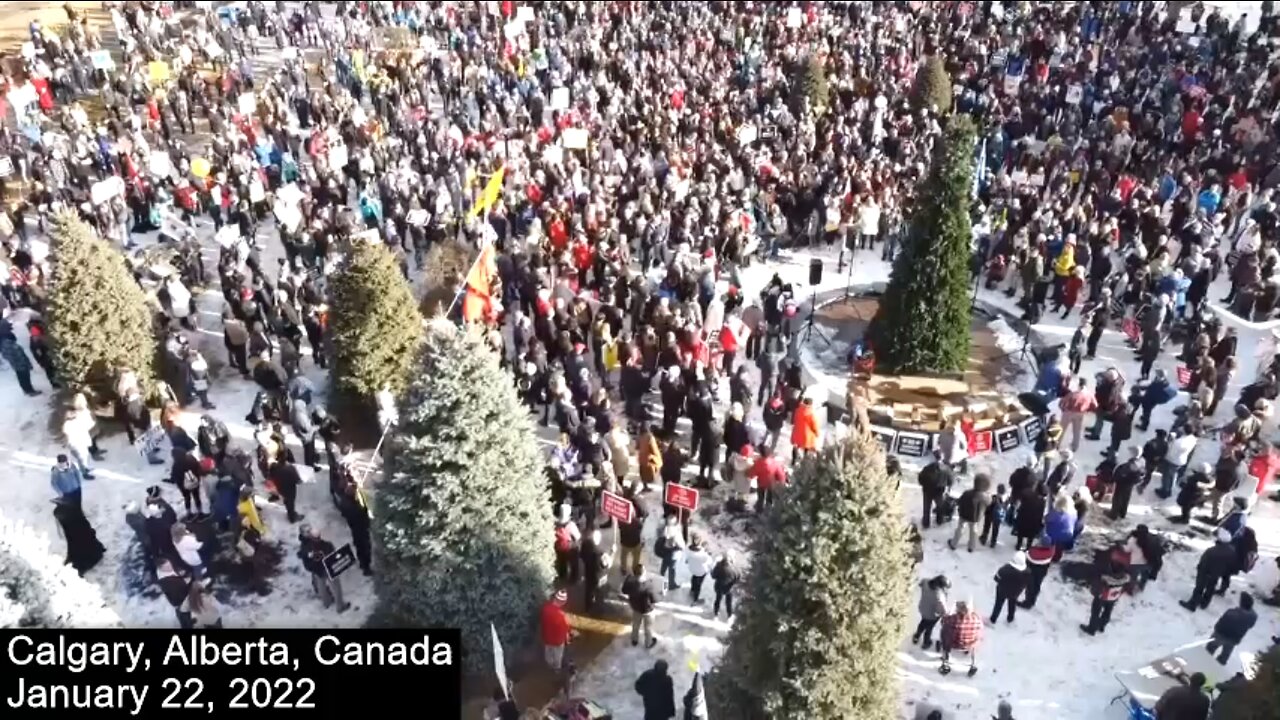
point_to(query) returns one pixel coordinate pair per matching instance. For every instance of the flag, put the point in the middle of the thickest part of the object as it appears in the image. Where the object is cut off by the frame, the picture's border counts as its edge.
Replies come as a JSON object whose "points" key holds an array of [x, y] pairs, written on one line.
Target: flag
{"points": [[695, 701], [477, 301], [490, 194]]}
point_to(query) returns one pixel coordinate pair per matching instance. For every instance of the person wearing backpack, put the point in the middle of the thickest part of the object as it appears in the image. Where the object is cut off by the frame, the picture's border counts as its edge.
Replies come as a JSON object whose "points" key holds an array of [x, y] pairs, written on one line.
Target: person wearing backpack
{"points": [[993, 518], [567, 537], [667, 547], [972, 508]]}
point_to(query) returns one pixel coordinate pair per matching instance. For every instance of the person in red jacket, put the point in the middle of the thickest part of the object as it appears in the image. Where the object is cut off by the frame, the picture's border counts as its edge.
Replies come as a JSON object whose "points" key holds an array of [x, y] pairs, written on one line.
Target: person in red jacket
{"points": [[804, 430], [769, 473], [962, 630], [555, 630]]}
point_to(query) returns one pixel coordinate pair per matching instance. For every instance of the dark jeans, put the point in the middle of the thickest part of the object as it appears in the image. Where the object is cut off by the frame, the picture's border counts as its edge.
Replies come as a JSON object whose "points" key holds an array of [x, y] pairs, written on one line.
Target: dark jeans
{"points": [[695, 587], [668, 569], [1203, 591], [360, 541], [1001, 599], [190, 497], [727, 596], [1100, 614], [567, 565], [1169, 475], [925, 519], [924, 631], [1226, 648], [1035, 580], [290, 496], [764, 499], [990, 530], [24, 381]]}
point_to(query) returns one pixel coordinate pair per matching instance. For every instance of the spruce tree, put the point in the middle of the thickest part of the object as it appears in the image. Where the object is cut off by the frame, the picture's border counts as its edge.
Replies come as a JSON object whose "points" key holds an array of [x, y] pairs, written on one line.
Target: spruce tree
{"points": [[932, 88], [825, 603], [923, 323], [98, 317], [811, 84], [1257, 699], [375, 326], [462, 519]]}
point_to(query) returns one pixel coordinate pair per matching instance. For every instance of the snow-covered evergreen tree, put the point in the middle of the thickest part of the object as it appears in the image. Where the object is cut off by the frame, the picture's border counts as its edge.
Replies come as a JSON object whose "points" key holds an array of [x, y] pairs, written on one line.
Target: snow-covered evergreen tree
{"points": [[826, 600], [463, 527]]}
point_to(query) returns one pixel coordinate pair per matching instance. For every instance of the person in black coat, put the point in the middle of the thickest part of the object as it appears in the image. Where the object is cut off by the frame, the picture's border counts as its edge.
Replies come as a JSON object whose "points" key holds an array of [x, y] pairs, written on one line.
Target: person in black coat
{"points": [[175, 586], [595, 568], [1010, 579], [1126, 476], [285, 477], [1029, 520], [724, 577], [935, 479], [356, 514], [1184, 702], [269, 374], [1231, 628], [1215, 564], [658, 691], [213, 438], [1121, 427]]}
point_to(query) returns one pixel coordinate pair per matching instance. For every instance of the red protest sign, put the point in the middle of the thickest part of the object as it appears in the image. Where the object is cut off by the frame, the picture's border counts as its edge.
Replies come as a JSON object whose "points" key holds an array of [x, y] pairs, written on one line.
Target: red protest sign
{"points": [[1184, 375], [681, 496], [981, 442], [617, 507]]}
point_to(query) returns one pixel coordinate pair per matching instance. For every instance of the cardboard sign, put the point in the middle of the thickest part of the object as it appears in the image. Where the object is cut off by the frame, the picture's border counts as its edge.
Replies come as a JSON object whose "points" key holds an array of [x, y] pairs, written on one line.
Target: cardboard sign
{"points": [[795, 18], [337, 562], [159, 163], [290, 194], [747, 134], [213, 50], [158, 72], [574, 138], [1032, 429], [29, 50], [288, 214], [1184, 375], [289, 53], [416, 218], [886, 436], [681, 496], [617, 507], [6, 166], [553, 155], [337, 157], [560, 98], [982, 442], [912, 444], [172, 226], [102, 60], [1007, 438], [248, 103], [1075, 94], [105, 190], [513, 29]]}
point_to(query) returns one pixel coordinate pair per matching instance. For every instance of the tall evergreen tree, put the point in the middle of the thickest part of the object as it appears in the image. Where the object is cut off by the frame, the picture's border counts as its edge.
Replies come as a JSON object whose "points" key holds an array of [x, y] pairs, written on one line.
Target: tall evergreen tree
{"points": [[462, 521], [99, 319], [923, 324], [1259, 697], [932, 87], [376, 327], [826, 599]]}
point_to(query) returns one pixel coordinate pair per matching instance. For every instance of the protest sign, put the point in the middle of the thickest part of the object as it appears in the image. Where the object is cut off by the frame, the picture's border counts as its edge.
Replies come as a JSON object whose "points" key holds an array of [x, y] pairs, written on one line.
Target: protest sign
{"points": [[102, 60], [560, 98], [575, 138]]}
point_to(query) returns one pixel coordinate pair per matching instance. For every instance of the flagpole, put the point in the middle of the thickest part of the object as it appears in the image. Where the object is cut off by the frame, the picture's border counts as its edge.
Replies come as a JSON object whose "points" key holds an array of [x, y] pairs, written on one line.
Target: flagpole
{"points": [[464, 283]]}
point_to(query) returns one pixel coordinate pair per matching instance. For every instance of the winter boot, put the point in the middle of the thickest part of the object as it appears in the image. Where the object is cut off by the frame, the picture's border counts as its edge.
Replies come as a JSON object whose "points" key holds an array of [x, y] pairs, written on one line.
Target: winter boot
{"points": [[1088, 630], [973, 670], [945, 669]]}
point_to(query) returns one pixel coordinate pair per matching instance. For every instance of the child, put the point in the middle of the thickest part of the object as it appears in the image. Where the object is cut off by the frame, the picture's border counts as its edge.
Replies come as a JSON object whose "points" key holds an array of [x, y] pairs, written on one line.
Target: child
{"points": [[995, 516]]}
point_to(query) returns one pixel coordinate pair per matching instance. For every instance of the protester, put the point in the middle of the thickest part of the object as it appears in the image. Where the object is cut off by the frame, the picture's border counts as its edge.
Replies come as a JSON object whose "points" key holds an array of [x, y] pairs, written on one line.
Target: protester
{"points": [[556, 631], [1231, 628], [933, 606], [658, 691], [643, 598]]}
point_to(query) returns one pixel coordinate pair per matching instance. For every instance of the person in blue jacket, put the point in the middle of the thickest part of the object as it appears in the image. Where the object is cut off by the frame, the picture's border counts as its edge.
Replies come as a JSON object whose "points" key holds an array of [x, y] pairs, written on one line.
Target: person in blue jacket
{"points": [[1060, 525], [66, 478], [1049, 384], [1158, 392]]}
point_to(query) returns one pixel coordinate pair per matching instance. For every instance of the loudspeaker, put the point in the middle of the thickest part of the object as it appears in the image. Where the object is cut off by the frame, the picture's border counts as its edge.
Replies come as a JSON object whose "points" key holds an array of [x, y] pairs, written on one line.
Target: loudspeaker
{"points": [[815, 271]]}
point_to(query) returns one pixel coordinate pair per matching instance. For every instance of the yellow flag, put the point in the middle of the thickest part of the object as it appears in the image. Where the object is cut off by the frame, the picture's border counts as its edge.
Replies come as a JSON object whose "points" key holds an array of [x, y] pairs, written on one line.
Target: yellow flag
{"points": [[490, 194]]}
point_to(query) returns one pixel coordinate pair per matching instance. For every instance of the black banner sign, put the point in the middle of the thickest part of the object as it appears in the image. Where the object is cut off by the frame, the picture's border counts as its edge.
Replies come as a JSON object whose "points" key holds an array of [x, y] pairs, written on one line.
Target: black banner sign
{"points": [[912, 444], [1007, 438]]}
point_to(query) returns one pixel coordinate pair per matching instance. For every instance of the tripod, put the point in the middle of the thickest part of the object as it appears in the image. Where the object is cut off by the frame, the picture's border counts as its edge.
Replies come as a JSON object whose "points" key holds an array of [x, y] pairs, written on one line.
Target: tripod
{"points": [[808, 329]]}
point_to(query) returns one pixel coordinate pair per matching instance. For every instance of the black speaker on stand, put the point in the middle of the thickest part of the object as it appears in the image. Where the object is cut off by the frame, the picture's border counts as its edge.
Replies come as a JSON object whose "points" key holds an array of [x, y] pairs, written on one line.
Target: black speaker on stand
{"points": [[815, 278]]}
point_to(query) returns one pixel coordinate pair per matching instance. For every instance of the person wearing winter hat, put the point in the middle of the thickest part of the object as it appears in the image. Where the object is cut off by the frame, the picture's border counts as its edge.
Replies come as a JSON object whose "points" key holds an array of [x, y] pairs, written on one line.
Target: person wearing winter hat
{"points": [[1010, 579], [556, 632], [961, 630], [1231, 628], [1039, 558], [1004, 711], [1215, 564], [1107, 589], [933, 607]]}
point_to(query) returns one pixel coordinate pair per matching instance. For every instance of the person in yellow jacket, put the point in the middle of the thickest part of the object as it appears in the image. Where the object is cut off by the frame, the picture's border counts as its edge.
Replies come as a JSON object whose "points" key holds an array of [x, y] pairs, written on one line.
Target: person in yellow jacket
{"points": [[648, 456], [248, 511], [1063, 267]]}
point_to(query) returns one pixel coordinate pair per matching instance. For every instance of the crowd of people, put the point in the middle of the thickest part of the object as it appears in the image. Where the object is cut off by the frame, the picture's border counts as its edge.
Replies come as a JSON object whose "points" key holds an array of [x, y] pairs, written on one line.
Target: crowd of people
{"points": [[1124, 167]]}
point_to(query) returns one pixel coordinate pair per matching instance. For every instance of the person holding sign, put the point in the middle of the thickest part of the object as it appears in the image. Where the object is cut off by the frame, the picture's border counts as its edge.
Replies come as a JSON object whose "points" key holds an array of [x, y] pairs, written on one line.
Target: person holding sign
{"points": [[312, 550]]}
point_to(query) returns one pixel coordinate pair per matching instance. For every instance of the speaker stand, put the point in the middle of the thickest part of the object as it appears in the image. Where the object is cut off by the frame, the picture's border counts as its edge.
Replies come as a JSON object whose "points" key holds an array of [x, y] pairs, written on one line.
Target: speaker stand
{"points": [[808, 329]]}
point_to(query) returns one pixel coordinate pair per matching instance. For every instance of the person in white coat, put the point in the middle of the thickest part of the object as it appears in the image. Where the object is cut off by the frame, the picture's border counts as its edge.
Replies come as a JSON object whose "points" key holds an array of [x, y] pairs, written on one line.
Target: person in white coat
{"points": [[699, 562], [203, 609], [868, 222], [188, 548], [77, 427]]}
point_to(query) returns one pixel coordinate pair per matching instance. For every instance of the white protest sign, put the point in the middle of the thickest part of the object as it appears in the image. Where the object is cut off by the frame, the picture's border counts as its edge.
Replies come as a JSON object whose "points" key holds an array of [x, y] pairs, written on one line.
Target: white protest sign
{"points": [[1011, 84], [337, 157], [288, 214], [290, 194], [1075, 94], [513, 29], [371, 236], [102, 60], [553, 155], [6, 166], [289, 53], [29, 50], [747, 134], [795, 18], [575, 138], [228, 235], [416, 218], [524, 13], [248, 103], [105, 190], [160, 164], [1186, 26], [560, 98], [257, 193], [213, 50], [172, 226]]}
